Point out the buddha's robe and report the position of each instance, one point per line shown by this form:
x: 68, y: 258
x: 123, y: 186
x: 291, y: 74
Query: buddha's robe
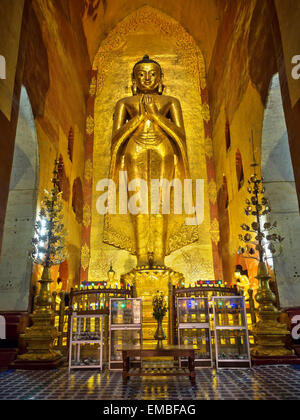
x: 146, y: 151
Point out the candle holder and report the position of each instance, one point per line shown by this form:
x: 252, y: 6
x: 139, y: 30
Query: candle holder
x: 48, y: 250
x: 260, y: 242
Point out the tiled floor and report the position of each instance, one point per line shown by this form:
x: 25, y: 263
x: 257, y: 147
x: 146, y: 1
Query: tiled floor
x: 259, y: 383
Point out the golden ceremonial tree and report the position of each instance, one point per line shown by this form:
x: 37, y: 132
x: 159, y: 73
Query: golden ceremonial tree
x: 260, y: 242
x: 48, y: 250
x: 49, y: 240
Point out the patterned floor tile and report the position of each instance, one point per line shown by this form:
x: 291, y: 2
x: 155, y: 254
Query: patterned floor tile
x: 259, y: 383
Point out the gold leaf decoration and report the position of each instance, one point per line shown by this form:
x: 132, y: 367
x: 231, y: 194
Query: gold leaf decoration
x: 184, y: 236
x: 87, y: 216
x: 117, y: 239
x: 212, y: 192
x: 168, y: 27
x: 88, y: 170
x: 215, y: 231
x: 209, y: 151
x: 203, y: 83
x: 85, y: 257
x: 93, y: 87
x: 90, y: 125
x: 206, y: 112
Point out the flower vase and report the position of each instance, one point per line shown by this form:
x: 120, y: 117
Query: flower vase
x: 159, y: 334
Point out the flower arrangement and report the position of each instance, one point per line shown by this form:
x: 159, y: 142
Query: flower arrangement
x: 159, y: 305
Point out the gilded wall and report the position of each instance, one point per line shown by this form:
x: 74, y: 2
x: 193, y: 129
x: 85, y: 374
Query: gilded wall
x: 183, y: 67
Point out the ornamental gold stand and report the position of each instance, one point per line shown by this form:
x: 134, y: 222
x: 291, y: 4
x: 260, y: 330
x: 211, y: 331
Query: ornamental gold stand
x: 270, y: 335
x: 147, y: 280
x: 49, y: 249
x: 41, y: 335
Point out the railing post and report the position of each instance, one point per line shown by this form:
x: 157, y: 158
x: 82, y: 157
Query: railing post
x: 175, y: 337
x: 61, y: 318
x: 70, y: 312
x: 106, y: 338
x: 134, y: 290
x: 171, y: 318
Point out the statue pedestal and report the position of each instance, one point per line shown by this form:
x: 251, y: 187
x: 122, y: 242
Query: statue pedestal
x: 40, y: 352
x: 147, y: 281
x: 269, y: 333
x: 270, y: 336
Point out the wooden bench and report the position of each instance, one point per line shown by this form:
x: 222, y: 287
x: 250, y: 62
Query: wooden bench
x: 157, y: 369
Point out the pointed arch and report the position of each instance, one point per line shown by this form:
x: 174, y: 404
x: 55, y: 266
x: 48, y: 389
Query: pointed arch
x: 277, y: 170
x: 16, y: 266
x: 177, y: 52
x: 166, y: 26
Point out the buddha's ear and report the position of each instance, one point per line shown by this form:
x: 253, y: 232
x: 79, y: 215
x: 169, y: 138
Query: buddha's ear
x: 134, y: 87
x: 161, y: 86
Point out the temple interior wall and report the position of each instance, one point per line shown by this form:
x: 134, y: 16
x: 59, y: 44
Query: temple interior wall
x: 15, y: 264
x: 278, y: 174
x: 53, y: 66
x: 248, y: 118
x: 199, y: 17
x: 60, y: 109
x: 286, y: 41
x: 55, y: 49
x: 10, y: 29
x: 243, y: 42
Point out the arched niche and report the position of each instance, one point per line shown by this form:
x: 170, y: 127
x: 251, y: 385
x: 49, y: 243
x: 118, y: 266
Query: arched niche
x: 148, y: 31
x: 278, y: 173
x: 239, y: 169
x: 15, y: 264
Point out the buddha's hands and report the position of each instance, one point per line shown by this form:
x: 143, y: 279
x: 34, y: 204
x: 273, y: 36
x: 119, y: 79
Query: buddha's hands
x: 142, y: 109
x: 150, y: 105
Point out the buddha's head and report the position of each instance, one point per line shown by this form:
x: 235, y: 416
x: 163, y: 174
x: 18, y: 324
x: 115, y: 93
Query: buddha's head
x: 147, y: 77
x: 238, y: 272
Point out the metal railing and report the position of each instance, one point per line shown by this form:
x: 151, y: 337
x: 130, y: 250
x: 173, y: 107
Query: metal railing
x: 83, y: 302
x: 204, y: 290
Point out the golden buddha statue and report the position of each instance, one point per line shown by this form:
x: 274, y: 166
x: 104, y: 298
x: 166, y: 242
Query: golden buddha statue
x: 149, y: 143
x: 242, y: 281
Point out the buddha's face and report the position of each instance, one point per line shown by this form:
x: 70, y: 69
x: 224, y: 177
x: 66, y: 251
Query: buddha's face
x: 147, y: 77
